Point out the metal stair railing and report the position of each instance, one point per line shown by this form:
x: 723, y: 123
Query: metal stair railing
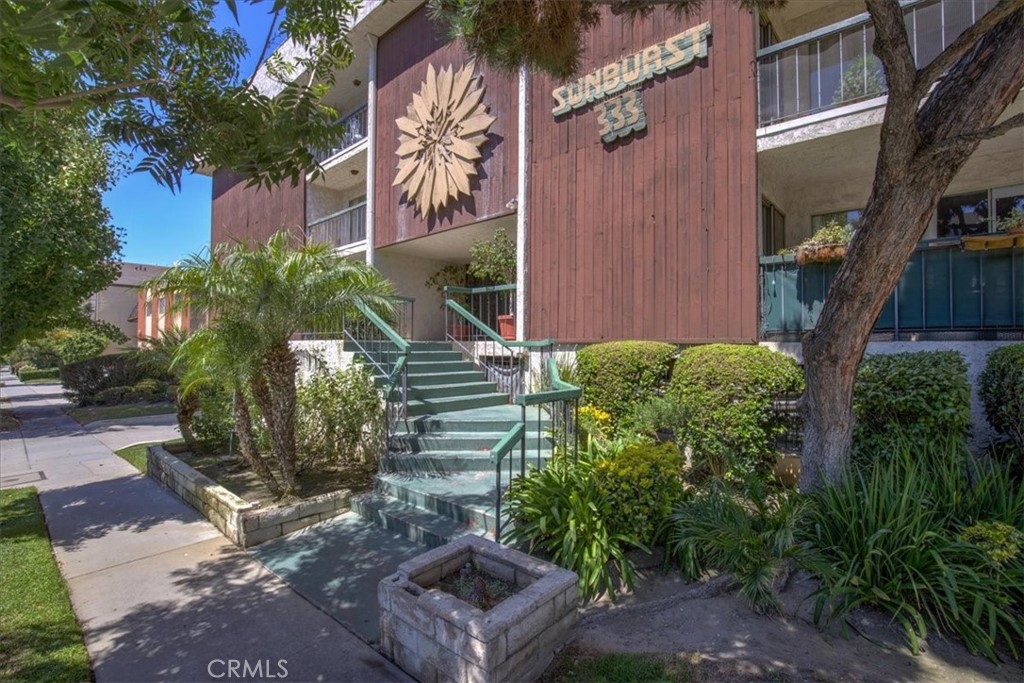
x: 561, y: 401
x: 383, y: 348
x: 502, y: 361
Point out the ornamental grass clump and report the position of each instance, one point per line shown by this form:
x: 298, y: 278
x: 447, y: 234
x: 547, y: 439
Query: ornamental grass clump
x: 907, y: 535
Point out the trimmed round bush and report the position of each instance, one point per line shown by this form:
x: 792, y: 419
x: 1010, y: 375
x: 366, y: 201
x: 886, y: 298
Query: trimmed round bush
x: 911, y: 399
x: 84, y: 379
x: 618, y: 376
x: 112, y: 396
x: 726, y: 392
x: 642, y: 484
x: 1001, y: 388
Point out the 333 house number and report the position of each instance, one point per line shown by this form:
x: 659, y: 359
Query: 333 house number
x: 621, y: 116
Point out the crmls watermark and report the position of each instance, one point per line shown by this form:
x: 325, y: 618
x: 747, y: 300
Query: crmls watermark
x: 243, y: 668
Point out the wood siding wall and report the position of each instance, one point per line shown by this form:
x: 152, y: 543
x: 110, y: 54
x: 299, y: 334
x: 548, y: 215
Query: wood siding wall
x: 403, y: 56
x: 251, y: 215
x: 653, y: 236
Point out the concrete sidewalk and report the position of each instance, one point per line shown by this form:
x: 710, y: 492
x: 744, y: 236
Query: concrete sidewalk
x: 160, y: 594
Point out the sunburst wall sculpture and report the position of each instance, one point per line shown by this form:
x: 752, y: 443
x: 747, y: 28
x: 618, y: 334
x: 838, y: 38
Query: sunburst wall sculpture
x: 440, y: 138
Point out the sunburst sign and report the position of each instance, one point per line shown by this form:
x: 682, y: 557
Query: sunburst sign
x: 440, y: 138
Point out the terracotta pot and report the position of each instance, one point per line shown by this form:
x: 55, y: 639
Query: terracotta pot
x: 1015, y: 230
x: 459, y: 330
x: 507, y: 327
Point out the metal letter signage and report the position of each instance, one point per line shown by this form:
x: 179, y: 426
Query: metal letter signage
x: 621, y: 116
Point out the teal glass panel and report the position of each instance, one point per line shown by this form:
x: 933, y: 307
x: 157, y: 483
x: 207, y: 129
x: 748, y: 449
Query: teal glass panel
x: 997, y: 302
x: 911, y: 290
x: 966, y: 288
x: 937, y: 313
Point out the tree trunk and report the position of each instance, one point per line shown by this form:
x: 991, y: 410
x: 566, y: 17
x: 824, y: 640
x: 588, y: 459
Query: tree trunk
x: 186, y: 407
x: 910, y: 177
x: 274, y: 391
x: 247, y: 445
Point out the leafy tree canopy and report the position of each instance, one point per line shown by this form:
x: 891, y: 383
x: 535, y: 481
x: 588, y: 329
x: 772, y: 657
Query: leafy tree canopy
x: 543, y: 35
x: 57, y: 245
x: 155, y: 75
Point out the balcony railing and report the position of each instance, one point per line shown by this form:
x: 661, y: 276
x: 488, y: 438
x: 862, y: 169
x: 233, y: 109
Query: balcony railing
x: 339, y: 229
x: 836, y: 65
x: 942, y: 289
x: 355, y: 132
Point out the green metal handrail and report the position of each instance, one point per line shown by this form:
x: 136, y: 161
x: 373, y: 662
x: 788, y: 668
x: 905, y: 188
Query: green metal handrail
x: 562, y: 391
x: 384, y: 327
x: 491, y: 334
x: 515, y: 435
x: 480, y: 290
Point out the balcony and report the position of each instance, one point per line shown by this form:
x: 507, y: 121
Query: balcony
x: 355, y: 132
x: 943, y: 289
x: 339, y: 229
x: 835, y: 66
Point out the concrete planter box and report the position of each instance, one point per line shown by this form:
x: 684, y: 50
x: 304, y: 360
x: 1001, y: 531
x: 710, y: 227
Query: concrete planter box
x: 242, y: 522
x: 437, y: 638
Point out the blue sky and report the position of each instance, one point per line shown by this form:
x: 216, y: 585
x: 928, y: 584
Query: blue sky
x: 160, y: 226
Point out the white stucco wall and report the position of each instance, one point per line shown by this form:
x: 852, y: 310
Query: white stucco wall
x: 409, y: 274
x: 311, y: 352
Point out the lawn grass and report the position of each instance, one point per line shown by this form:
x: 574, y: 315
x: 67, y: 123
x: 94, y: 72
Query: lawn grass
x: 136, y: 455
x: 86, y: 414
x: 40, y: 640
x: 41, y: 381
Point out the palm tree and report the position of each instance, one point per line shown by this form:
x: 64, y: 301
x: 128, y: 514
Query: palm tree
x: 259, y: 298
x: 162, y: 356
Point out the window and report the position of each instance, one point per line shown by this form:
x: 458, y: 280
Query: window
x: 149, y: 308
x: 356, y: 201
x: 162, y: 305
x: 851, y: 217
x: 1006, y: 199
x: 773, y: 229
x: 963, y: 214
x: 768, y: 37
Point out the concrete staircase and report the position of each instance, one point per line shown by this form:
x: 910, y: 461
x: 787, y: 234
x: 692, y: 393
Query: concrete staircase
x: 437, y: 483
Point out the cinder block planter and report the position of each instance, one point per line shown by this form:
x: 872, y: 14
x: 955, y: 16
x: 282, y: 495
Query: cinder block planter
x: 242, y: 522
x: 438, y: 638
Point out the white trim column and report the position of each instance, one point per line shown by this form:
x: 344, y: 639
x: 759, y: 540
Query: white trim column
x: 522, y: 201
x: 371, y: 146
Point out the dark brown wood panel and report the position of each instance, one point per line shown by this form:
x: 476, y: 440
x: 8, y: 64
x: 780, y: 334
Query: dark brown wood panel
x: 251, y: 215
x: 403, y: 56
x: 653, y: 236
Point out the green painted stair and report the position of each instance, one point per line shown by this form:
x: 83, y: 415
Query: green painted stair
x: 437, y: 483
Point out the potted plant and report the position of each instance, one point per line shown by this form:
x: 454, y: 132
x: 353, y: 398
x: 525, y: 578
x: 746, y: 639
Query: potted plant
x: 828, y: 244
x: 1013, y: 222
x: 493, y: 262
x: 456, y: 275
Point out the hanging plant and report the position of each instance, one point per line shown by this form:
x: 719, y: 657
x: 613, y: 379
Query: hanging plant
x: 828, y: 244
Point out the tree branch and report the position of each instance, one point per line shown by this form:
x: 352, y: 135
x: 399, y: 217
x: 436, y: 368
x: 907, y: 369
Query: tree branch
x: 995, y: 131
x: 964, y: 43
x: 60, y: 101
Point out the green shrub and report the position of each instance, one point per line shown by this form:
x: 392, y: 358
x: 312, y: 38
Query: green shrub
x: 29, y: 373
x: 642, y: 484
x: 25, y: 366
x: 749, y: 531
x: 38, y: 352
x: 84, y: 379
x: 73, y: 345
x: 213, y: 422
x: 657, y: 417
x: 112, y: 396
x: 1001, y: 388
x: 617, y: 376
x: 149, y: 389
x: 892, y: 536
x: 922, y: 397
x: 727, y: 392
x: 561, y: 511
x: 999, y: 541
x: 339, y: 418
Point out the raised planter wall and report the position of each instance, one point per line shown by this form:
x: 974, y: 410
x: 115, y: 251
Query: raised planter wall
x: 242, y: 522
x: 438, y: 638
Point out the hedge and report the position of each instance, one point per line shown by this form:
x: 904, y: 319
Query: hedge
x: 619, y: 376
x: 915, y: 398
x: 1001, y: 389
x: 84, y: 380
x: 727, y: 393
x: 28, y: 374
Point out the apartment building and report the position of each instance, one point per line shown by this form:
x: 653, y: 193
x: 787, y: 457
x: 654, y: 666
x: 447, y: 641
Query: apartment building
x: 648, y: 198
